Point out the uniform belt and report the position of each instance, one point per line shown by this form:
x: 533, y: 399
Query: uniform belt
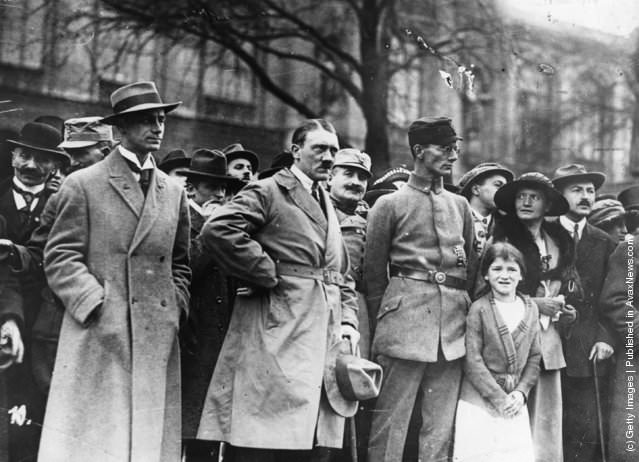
x: 436, y: 277
x: 310, y: 272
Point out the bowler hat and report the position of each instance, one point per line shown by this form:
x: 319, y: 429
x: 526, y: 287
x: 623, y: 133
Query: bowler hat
x: 481, y: 171
x: 207, y: 164
x: 283, y: 160
x: 41, y: 137
x: 629, y: 197
x: 605, y: 210
x: 354, y: 158
x: 576, y: 173
x: 83, y: 132
x: 505, y: 196
x: 349, y: 379
x: 174, y: 159
x: 135, y: 97
x: 237, y: 151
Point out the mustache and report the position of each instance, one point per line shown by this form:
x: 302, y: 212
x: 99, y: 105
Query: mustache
x: 355, y: 188
x: 585, y: 202
x: 327, y: 164
x: 30, y: 171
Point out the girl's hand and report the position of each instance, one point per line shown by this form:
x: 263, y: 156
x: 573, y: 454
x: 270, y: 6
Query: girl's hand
x: 513, y: 404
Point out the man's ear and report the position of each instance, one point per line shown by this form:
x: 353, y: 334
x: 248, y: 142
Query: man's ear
x: 474, y: 190
x: 418, y: 151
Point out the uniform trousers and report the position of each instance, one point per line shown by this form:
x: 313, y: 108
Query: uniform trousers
x: 438, y: 383
x: 545, y: 409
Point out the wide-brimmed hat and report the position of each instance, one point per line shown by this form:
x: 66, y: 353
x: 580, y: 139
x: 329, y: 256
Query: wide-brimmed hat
x: 349, y: 379
x: 606, y: 210
x: 237, y: 151
x: 577, y: 173
x: 629, y: 198
x: 505, y: 196
x: 354, y: 158
x: 41, y: 137
x: 481, y: 171
x: 210, y: 164
x: 136, y: 97
x: 174, y: 159
x: 83, y: 132
x: 283, y: 160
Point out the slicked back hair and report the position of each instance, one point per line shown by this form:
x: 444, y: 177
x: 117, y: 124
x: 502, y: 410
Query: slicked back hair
x: 299, y: 135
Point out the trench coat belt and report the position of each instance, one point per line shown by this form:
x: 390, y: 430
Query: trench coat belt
x: 433, y: 276
x: 310, y: 272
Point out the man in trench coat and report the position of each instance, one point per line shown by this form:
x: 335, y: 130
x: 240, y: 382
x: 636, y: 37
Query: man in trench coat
x: 266, y: 396
x: 117, y: 257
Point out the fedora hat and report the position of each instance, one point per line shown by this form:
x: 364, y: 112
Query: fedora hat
x: 349, y: 379
x: 135, y: 97
x: 41, y: 137
x: 237, y: 151
x: 207, y: 164
x: 283, y: 160
x: 629, y: 198
x: 83, y: 132
x: 481, y: 171
x: 576, y: 173
x: 505, y: 196
x: 606, y: 210
x: 174, y: 159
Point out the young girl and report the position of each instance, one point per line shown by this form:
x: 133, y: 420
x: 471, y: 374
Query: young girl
x: 501, y: 365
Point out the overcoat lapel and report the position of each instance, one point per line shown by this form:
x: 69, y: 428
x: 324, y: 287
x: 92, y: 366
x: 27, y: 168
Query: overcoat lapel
x: 123, y: 181
x: 585, y: 247
x: 157, y: 189
x: 300, y: 197
x: 333, y: 253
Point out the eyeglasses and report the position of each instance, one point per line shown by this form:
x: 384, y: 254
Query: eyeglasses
x: 448, y: 150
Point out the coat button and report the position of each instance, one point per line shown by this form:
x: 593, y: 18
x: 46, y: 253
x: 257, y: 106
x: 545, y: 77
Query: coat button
x: 134, y: 300
x: 161, y: 258
x: 218, y: 299
x: 163, y: 303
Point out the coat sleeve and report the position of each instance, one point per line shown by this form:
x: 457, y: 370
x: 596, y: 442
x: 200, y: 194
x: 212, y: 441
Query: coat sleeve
x: 614, y: 295
x: 471, y: 255
x: 605, y: 332
x: 65, y: 254
x: 530, y: 373
x: 379, y: 232
x: 474, y: 365
x: 10, y: 297
x: 180, y: 268
x: 227, y: 236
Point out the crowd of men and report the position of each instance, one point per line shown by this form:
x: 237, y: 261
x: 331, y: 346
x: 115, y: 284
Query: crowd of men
x: 204, y: 309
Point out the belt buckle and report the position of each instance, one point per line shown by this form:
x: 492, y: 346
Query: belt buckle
x: 440, y: 277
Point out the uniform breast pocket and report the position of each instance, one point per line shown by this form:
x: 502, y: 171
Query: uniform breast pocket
x: 389, y: 307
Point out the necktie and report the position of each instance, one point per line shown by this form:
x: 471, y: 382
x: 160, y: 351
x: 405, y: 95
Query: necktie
x: 28, y: 197
x: 145, y: 175
x: 575, y: 237
x: 318, y: 196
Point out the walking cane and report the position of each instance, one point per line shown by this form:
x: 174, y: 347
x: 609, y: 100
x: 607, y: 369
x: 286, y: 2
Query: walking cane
x: 598, y: 402
x: 353, y: 431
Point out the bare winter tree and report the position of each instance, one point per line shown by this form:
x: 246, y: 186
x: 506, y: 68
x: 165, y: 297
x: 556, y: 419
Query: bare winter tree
x: 355, y: 46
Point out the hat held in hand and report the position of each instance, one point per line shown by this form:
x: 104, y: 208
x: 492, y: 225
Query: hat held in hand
x: 349, y: 379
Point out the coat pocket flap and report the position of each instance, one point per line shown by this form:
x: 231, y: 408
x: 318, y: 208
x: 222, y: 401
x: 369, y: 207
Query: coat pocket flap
x: 389, y: 306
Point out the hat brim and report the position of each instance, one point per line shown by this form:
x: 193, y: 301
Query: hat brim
x: 172, y: 164
x: 357, y: 166
x: 231, y: 181
x: 113, y: 118
x: 58, y: 153
x: 250, y: 155
x: 341, y: 405
x: 505, y: 197
x: 596, y: 178
x: 465, y: 191
x: 77, y: 144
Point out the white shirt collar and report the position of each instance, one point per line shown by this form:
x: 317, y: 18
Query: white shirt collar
x: 304, y: 179
x: 480, y: 218
x: 569, y: 225
x: 131, y: 157
x: 18, y: 199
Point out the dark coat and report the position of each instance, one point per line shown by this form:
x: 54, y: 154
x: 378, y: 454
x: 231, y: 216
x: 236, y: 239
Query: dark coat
x: 202, y: 335
x: 119, y: 263
x: 593, y: 251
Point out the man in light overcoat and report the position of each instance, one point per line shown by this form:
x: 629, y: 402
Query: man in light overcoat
x: 117, y: 258
x: 281, y: 237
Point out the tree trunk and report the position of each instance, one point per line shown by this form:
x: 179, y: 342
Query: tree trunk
x: 375, y: 82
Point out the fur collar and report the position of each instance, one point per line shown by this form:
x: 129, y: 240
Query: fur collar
x: 512, y: 230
